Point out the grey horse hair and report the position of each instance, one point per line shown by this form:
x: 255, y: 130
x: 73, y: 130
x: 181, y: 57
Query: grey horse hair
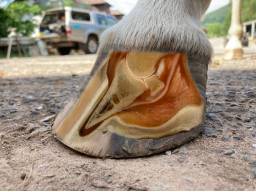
x: 161, y: 25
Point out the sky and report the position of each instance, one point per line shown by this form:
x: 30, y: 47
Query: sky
x: 126, y: 6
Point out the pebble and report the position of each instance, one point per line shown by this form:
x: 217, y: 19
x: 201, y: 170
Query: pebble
x: 29, y: 99
x: 13, y: 111
x: 44, y: 124
x: 238, y: 138
x: 231, y: 94
x: 225, y: 138
x: 238, y: 117
x: 213, y: 117
x: 23, y: 176
x: 54, y: 111
x: 218, y: 104
x: 237, y: 109
x: 43, y: 166
x: 250, y: 94
x: 175, y: 151
x: 208, y: 132
x: 40, y: 108
x: 11, y: 102
x: 254, y: 173
x: 229, y: 153
x: 226, y: 116
x: 254, y: 134
x: 168, y: 153
x: 189, y: 180
x: 240, y: 124
x: 182, y: 159
x: 247, y: 120
x: 1, y: 115
x: 34, y: 113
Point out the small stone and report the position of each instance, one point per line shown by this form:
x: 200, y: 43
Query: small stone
x: 226, y: 116
x: 213, y: 117
x: 229, y: 153
x: 247, y: 120
x: 39, y: 108
x: 237, y: 109
x: 233, y: 105
x: 34, y: 113
x: 208, y: 132
x: 43, y: 166
x: 183, y: 150
x: 250, y: 94
x: 54, y: 111
x: 13, y: 111
x: 175, y: 151
x: 240, y: 124
x: 182, y: 159
x: 45, y: 124
x: 231, y: 94
x: 238, y: 138
x: 238, y: 117
x: 1, y: 115
x: 23, y: 176
x: 218, y: 104
x: 168, y: 153
x: 254, y: 174
x: 29, y: 99
x: 254, y: 134
x: 189, y: 180
x: 225, y: 138
x: 11, y: 102
x: 251, y: 117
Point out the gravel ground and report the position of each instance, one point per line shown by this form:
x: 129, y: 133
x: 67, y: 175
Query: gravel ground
x: 33, y: 91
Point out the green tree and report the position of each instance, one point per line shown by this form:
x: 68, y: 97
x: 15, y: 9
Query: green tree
x: 19, y: 15
x: 3, y: 25
x: 248, y: 10
x: 214, y: 30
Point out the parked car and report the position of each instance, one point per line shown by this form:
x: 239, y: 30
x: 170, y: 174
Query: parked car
x: 244, y: 40
x: 67, y: 28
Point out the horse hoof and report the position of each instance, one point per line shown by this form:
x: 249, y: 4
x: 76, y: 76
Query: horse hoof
x: 136, y: 104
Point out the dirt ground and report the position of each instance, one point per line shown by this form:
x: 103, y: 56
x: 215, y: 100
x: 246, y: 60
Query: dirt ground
x: 221, y: 158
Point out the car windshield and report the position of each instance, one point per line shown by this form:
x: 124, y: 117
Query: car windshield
x: 111, y: 21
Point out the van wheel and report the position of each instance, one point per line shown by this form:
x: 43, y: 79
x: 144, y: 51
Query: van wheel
x: 91, y: 46
x: 64, y: 50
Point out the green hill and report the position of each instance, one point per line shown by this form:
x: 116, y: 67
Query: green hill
x: 216, y: 16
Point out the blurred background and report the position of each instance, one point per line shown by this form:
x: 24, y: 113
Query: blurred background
x: 73, y: 27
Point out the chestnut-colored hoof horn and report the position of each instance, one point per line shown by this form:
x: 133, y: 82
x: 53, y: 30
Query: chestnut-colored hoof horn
x: 136, y: 104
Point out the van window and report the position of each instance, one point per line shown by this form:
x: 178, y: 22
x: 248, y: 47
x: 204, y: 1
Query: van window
x: 81, y: 16
x: 101, y: 20
x: 53, y: 17
x: 111, y: 21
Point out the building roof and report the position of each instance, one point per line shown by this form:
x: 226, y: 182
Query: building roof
x: 116, y: 12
